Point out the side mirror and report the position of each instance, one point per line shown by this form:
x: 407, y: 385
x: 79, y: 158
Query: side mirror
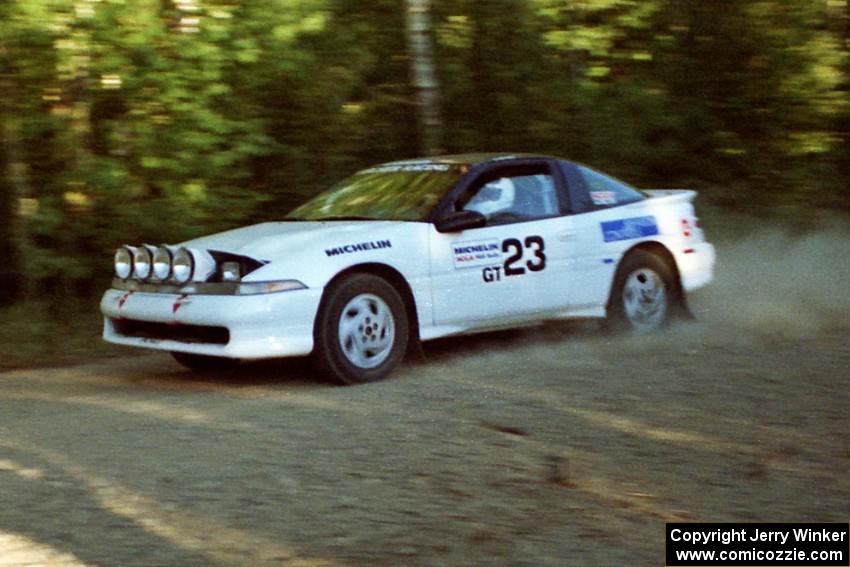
x: 460, y: 220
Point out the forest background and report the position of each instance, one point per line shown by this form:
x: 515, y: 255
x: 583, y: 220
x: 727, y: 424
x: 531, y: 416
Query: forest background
x: 160, y: 120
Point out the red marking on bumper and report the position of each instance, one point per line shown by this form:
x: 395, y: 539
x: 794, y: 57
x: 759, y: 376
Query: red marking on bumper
x: 179, y: 303
x: 123, y: 299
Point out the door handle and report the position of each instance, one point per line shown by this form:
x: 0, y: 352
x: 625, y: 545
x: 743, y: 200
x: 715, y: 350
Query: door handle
x: 567, y: 234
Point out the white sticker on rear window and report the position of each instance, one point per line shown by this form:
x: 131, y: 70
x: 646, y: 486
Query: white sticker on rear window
x: 603, y: 197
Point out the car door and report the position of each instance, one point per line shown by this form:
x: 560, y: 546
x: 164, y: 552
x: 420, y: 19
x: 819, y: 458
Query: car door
x: 513, y: 267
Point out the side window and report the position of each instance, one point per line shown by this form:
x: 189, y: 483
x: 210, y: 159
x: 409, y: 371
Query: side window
x: 512, y: 198
x: 604, y: 191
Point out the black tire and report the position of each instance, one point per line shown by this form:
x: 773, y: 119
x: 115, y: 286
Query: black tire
x: 361, y: 330
x: 202, y: 364
x: 645, y: 295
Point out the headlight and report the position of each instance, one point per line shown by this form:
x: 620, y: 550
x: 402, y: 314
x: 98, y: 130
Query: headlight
x: 162, y: 263
x: 183, y: 266
x: 230, y: 272
x: 142, y: 260
x: 124, y: 262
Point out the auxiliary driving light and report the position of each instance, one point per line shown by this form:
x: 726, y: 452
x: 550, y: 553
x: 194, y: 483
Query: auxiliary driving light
x: 142, y: 262
x: 162, y: 263
x: 183, y: 266
x: 124, y: 262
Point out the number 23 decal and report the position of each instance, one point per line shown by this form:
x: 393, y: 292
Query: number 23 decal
x: 534, y: 244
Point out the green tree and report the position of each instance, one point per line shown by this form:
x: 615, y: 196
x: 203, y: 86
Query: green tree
x: 166, y: 119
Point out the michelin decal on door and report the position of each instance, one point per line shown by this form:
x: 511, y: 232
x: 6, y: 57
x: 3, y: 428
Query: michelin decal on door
x: 476, y: 253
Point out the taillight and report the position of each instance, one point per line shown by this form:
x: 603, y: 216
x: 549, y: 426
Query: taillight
x: 687, y: 231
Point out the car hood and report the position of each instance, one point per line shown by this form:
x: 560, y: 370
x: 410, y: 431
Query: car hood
x: 267, y: 241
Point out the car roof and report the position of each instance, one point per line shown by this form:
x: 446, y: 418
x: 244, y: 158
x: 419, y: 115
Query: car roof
x: 468, y: 159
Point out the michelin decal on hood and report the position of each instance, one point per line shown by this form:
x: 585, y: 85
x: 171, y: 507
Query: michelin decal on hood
x: 360, y: 247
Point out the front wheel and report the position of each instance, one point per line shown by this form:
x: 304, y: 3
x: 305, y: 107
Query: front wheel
x: 361, y: 331
x: 643, y: 294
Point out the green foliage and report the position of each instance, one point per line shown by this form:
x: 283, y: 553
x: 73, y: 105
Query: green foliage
x: 51, y: 333
x: 8, y: 249
x: 160, y: 120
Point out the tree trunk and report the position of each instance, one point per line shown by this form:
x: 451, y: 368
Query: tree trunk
x: 424, y: 76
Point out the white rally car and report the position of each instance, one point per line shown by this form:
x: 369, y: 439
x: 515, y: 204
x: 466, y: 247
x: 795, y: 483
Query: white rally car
x: 411, y: 251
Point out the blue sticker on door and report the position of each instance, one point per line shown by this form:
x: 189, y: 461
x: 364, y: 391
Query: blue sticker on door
x: 627, y: 229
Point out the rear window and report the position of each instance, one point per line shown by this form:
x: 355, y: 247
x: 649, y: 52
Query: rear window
x: 605, y: 191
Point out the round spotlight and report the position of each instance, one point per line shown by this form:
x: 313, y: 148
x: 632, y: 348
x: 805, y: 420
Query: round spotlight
x: 142, y: 262
x: 124, y: 262
x: 183, y: 266
x: 162, y: 263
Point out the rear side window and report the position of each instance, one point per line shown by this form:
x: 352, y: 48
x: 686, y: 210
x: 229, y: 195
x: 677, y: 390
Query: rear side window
x: 604, y: 191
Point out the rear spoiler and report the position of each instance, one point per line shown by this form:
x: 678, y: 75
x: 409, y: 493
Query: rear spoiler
x: 673, y: 195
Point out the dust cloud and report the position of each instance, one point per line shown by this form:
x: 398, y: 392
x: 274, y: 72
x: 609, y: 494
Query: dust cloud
x: 771, y: 284
x: 776, y: 283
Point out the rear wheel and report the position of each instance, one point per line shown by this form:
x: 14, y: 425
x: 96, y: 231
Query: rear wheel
x: 361, y: 331
x: 643, y: 296
x: 202, y: 364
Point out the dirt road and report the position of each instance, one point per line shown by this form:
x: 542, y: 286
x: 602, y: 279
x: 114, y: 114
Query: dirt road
x: 554, y: 446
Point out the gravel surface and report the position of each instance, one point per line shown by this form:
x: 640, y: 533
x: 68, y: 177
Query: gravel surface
x: 551, y: 446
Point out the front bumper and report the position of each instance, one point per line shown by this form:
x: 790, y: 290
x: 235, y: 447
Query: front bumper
x: 247, y: 326
x: 696, y: 265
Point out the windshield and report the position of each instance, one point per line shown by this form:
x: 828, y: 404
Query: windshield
x: 388, y: 192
